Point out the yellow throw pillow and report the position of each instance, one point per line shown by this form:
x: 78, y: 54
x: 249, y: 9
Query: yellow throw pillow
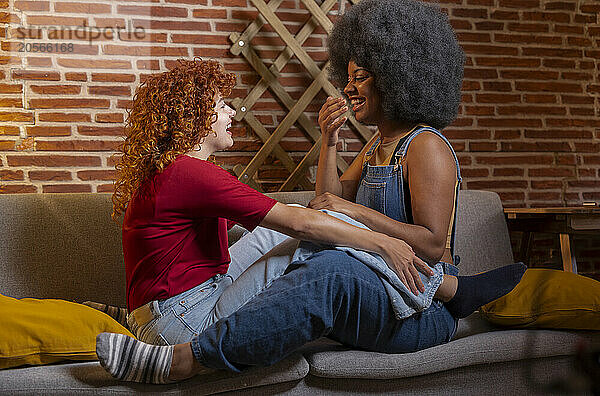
x: 47, y: 331
x: 548, y: 299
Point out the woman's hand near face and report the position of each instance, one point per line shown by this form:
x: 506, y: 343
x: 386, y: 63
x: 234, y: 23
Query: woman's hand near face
x: 331, y: 119
x: 333, y: 202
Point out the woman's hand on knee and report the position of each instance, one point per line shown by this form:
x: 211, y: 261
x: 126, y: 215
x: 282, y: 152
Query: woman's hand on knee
x: 401, y: 258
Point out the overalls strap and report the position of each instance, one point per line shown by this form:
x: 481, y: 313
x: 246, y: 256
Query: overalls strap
x: 371, y: 151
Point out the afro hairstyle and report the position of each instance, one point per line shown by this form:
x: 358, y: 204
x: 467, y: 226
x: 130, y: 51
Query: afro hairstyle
x: 412, y: 52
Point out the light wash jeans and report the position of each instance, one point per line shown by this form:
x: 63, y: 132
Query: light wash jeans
x: 257, y: 259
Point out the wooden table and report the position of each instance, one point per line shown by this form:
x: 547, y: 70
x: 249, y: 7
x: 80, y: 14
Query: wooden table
x: 564, y: 221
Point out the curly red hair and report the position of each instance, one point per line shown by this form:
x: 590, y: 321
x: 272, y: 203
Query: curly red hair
x: 171, y: 114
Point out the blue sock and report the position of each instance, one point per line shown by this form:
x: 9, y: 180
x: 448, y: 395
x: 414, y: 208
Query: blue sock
x: 477, y: 290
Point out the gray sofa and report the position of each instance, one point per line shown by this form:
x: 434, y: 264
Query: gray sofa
x: 66, y: 246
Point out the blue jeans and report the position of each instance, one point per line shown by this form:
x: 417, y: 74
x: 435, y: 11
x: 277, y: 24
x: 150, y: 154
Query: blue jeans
x: 257, y: 259
x: 330, y: 294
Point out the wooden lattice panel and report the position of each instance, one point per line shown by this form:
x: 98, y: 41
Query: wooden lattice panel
x: 296, y: 108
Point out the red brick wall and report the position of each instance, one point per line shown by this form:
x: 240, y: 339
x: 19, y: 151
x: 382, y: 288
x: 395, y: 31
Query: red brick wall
x: 528, y: 128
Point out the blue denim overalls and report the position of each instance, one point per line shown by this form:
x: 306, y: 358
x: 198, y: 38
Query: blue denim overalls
x: 382, y: 187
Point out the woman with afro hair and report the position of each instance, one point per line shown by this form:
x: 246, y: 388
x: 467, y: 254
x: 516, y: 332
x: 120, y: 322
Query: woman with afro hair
x: 401, y: 70
x: 330, y: 292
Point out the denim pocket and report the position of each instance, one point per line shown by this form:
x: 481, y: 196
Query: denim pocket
x: 372, y: 195
x: 180, y: 316
x: 173, y: 330
x: 154, y: 332
x: 194, y: 311
x: 197, y: 296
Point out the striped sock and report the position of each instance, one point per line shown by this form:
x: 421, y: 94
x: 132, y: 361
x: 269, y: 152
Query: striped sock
x: 128, y: 359
x: 117, y: 313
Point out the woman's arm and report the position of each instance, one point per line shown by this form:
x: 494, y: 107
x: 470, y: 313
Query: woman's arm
x: 431, y: 174
x: 327, y: 177
x: 312, y: 225
x: 331, y: 120
x: 349, y: 180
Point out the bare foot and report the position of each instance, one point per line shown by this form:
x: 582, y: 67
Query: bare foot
x: 447, y: 289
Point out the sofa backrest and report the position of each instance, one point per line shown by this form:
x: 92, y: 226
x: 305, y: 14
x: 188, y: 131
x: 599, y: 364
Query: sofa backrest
x: 67, y: 246
x: 299, y: 197
x: 482, y: 240
x: 61, y: 246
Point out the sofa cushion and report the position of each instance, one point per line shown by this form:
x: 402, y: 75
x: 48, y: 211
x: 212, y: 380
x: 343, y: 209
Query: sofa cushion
x: 489, y: 347
x: 547, y: 298
x: 91, y: 378
x: 47, y: 331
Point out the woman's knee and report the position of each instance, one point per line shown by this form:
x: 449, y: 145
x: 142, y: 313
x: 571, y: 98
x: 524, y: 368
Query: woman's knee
x: 334, y: 266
